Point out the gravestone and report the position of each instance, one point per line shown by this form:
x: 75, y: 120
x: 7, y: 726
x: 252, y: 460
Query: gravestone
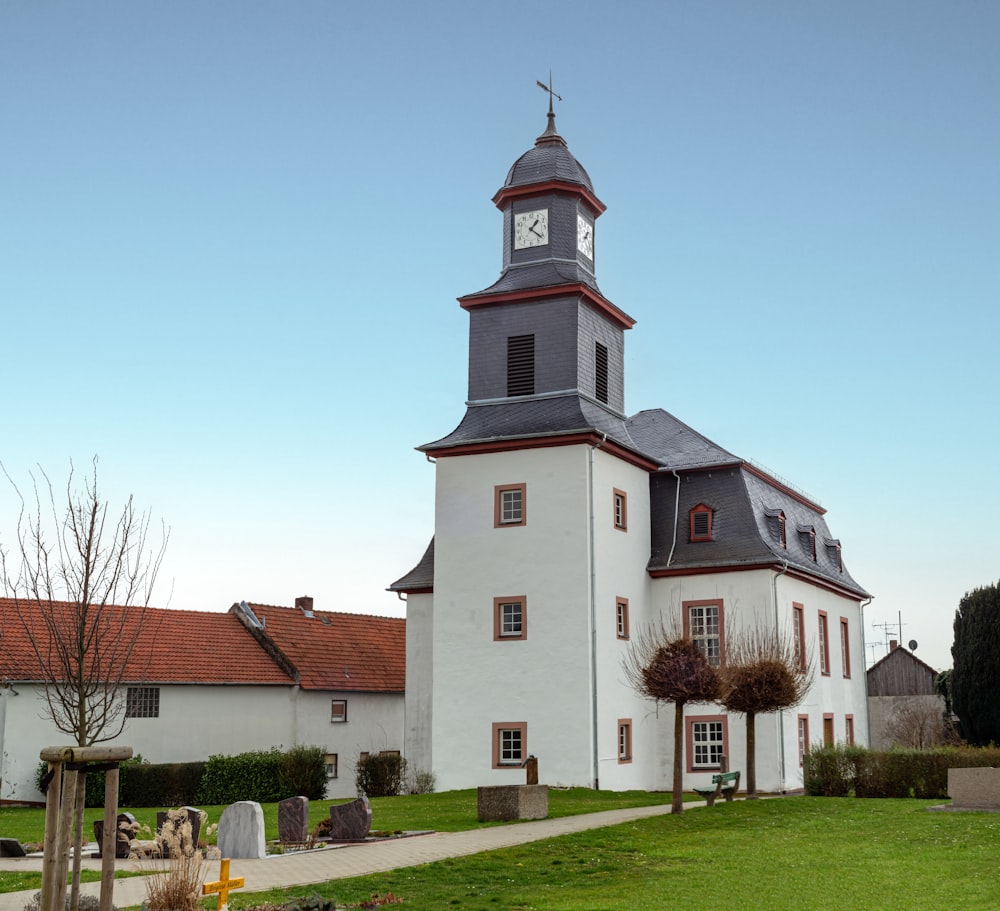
x: 11, y: 847
x: 351, y: 821
x: 122, y: 838
x: 170, y: 828
x: 241, y: 831
x: 974, y: 789
x: 293, y: 821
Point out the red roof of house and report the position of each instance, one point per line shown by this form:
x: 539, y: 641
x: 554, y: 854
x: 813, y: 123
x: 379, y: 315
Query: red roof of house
x: 335, y: 651
x: 174, y: 646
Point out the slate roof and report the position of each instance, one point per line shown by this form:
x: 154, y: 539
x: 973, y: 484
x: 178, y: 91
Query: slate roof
x: 174, y: 646
x: 535, y: 417
x: 421, y: 577
x: 549, y: 159
x: 544, y: 274
x: 335, y: 651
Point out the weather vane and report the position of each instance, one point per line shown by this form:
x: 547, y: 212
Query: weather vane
x: 548, y: 88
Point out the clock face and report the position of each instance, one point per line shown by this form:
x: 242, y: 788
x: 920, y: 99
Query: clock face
x: 531, y: 229
x: 584, y: 237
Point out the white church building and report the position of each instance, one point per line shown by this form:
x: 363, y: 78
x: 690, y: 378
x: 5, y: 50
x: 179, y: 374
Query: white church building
x: 563, y: 526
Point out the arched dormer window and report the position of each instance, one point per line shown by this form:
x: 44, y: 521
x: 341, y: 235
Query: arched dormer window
x: 700, y: 521
x: 776, y: 526
x: 833, y: 550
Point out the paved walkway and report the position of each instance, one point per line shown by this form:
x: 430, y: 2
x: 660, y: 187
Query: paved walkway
x: 321, y: 865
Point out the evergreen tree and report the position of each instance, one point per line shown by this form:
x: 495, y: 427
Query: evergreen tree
x: 975, y: 677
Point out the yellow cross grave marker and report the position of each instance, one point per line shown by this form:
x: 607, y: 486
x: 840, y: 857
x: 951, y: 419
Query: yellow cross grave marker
x: 224, y: 884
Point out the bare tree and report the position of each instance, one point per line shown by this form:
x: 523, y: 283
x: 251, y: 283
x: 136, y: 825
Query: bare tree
x: 80, y: 582
x: 667, y: 667
x: 919, y: 723
x: 763, y: 673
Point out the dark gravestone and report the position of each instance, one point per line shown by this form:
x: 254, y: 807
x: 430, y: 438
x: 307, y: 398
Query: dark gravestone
x: 11, y: 847
x: 171, y: 829
x: 293, y: 821
x: 122, y: 838
x: 351, y: 821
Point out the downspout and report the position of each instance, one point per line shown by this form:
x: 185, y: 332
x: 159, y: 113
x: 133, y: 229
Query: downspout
x: 781, y: 714
x: 594, y: 756
x: 864, y: 660
x: 677, y: 503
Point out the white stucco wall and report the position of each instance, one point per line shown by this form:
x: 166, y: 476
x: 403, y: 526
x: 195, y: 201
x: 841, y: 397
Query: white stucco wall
x: 419, y: 682
x: 198, y: 721
x: 750, y: 598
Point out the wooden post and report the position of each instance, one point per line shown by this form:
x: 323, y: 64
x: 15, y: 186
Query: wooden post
x: 60, y: 810
x: 109, y: 845
x: 50, y: 855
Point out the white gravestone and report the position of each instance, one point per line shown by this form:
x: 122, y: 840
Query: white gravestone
x: 241, y: 830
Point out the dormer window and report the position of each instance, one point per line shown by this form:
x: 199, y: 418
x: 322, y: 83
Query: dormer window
x: 700, y: 520
x: 782, y: 536
x: 807, y: 535
x: 833, y: 550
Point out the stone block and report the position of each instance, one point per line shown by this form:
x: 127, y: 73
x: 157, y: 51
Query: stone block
x: 974, y: 789
x: 351, y: 821
x: 241, y: 831
x: 293, y: 821
x: 508, y: 802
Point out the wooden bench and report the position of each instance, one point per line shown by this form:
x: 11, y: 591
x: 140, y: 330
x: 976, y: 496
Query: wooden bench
x: 726, y: 784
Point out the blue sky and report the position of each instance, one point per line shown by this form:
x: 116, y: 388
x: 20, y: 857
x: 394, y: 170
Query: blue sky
x: 232, y: 235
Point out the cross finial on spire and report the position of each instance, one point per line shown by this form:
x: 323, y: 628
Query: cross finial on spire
x: 550, y: 134
x: 548, y: 88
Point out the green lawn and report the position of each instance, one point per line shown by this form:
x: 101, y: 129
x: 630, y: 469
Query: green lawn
x: 786, y: 854
x: 768, y: 855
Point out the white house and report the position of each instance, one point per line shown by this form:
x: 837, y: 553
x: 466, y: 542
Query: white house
x: 562, y: 526
x: 201, y: 683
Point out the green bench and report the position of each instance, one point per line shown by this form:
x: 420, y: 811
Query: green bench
x: 726, y: 784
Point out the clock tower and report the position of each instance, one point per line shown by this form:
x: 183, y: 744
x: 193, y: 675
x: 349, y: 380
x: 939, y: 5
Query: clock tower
x: 546, y: 347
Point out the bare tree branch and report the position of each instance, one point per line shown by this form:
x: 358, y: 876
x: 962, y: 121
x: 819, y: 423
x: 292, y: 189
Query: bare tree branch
x: 80, y: 581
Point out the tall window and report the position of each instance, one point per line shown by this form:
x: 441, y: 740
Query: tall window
x: 799, y: 635
x: 510, y: 618
x: 142, y: 702
x: 706, y: 741
x: 521, y: 365
x: 338, y: 710
x: 510, y: 744
x: 624, y: 740
x: 845, y: 647
x: 600, y: 372
x: 621, y: 618
x: 621, y: 509
x: 824, y: 644
x: 700, y: 523
x: 782, y: 537
x: 331, y: 765
x: 828, y: 737
x: 703, y: 625
x: 849, y: 730
x: 509, y: 505
x: 803, y: 736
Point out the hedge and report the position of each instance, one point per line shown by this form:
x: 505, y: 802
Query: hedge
x: 264, y: 776
x: 839, y: 771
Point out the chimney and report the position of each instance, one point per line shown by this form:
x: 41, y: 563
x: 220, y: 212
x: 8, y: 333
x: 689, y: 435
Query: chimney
x: 305, y: 604
x: 893, y: 644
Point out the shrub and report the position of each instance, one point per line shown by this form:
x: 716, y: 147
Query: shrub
x: 380, y: 775
x: 264, y: 775
x: 837, y: 771
x: 422, y: 782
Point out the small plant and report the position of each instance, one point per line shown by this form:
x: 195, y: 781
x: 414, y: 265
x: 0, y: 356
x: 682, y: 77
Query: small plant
x: 377, y: 901
x: 312, y: 902
x: 422, y: 782
x: 86, y: 903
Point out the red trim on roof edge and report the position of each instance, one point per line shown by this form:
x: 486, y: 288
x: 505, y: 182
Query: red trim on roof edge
x: 596, y: 300
x: 542, y: 442
x: 549, y: 186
